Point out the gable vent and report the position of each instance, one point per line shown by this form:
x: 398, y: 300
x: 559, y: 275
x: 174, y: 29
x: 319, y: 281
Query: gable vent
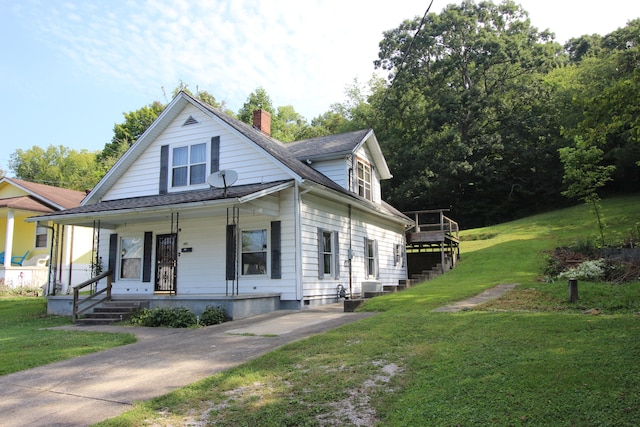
x: 190, y: 121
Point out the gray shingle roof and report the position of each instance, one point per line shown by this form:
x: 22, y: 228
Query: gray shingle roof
x: 275, y: 148
x: 171, y: 199
x: 336, y: 145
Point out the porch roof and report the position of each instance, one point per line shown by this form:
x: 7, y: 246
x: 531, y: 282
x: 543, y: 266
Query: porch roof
x: 24, y: 203
x: 145, y: 208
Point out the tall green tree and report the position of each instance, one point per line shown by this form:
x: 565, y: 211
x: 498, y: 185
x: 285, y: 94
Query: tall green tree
x: 606, y: 102
x: 56, y: 165
x: 125, y: 134
x: 584, y: 175
x: 286, y: 123
x: 465, y: 122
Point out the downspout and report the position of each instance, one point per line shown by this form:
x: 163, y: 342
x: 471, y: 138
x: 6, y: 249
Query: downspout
x: 70, y: 257
x: 61, y: 235
x: 298, y: 233
x: 53, y: 232
x: 350, y: 258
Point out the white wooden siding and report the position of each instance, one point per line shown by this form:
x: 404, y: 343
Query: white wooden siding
x: 203, y: 270
x: 319, y: 213
x: 337, y: 170
x: 246, y: 158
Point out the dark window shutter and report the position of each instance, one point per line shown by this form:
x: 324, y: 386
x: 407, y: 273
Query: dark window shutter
x: 231, y: 252
x: 375, y: 254
x: 215, y: 154
x: 336, y: 254
x: 164, y: 169
x: 366, y: 257
x: 113, y: 255
x: 320, y: 254
x: 146, y: 266
x: 276, y: 243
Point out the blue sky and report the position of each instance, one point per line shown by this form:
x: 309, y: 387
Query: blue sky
x: 70, y: 69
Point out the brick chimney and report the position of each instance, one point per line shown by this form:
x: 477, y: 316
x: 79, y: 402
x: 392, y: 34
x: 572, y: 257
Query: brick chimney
x: 262, y: 121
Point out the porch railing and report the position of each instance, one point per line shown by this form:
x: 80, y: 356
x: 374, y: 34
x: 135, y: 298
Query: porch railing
x: 81, y: 306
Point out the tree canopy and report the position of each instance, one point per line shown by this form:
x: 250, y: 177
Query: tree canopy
x: 481, y: 113
x: 58, y: 166
x: 465, y: 123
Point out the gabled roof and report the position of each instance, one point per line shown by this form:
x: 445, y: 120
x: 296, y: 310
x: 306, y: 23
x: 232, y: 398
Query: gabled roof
x: 270, y: 146
x: 25, y: 203
x: 336, y: 146
x: 299, y: 170
x: 327, y: 146
x: 47, y: 196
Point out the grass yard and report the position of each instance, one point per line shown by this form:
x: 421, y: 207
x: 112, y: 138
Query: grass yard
x: 529, y: 358
x: 25, y: 344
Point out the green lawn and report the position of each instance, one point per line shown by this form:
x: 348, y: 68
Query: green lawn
x: 530, y: 358
x: 24, y: 343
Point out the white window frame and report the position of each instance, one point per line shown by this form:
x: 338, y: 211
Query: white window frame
x: 371, y: 258
x: 258, y: 270
x: 331, y: 255
x: 189, y: 166
x: 121, y: 257
x: 364, y: 183
x: 39, y: 233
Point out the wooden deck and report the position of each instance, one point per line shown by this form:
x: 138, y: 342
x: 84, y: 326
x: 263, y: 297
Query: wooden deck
x: 432, y: 233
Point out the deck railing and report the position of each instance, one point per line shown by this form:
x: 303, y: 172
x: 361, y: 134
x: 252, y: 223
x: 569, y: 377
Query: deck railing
x: 445, y: 224
x: 81, y: 306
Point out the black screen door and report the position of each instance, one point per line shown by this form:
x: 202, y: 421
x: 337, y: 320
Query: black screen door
x: 166, y: 261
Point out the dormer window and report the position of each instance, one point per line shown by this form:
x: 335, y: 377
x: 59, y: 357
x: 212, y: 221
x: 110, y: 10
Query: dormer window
x: 189, y: 165
x: 364, y: 179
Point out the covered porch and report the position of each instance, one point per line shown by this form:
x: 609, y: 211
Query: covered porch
x: 185, y: 251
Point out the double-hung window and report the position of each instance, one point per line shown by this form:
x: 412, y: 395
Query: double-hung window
x: 371, y: 258
x: 41, y: 236
x: 363, y: 176
x: 189, y: 165
x: 254, y: 252
x: 131, y: 252
x: 328, y: 261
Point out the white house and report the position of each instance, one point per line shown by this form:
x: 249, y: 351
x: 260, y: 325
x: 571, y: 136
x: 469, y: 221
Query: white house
x: 206, y: 208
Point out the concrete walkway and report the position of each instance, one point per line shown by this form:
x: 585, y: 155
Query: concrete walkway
x: 486, y: 295
x: 88, y: 389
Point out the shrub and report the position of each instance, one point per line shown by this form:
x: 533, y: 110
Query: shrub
x: 590, y: 270
x: 213, y: 316
x: 175, y: 317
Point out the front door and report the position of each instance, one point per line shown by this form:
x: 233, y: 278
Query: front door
x: 166, y: 261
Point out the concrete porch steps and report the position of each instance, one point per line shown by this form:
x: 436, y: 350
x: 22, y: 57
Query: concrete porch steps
x: 111, y: 312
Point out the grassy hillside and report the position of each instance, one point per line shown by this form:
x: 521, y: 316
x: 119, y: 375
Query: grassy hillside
x: 529, y: 358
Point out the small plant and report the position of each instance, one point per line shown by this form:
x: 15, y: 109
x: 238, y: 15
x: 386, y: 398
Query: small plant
x: 171, y: 317
x: 590, y: 270
x: 213, y: 316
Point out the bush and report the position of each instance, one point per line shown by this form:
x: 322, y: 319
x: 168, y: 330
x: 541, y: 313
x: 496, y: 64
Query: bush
x: 590, y: 270
x: 213, y: 316
x: 175, y: 317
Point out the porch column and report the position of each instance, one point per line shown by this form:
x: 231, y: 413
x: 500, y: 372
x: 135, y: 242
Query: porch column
x: 8, y: 242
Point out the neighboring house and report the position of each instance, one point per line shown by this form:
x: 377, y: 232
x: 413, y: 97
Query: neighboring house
x: 27, y: 247
x: 205, y: 208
